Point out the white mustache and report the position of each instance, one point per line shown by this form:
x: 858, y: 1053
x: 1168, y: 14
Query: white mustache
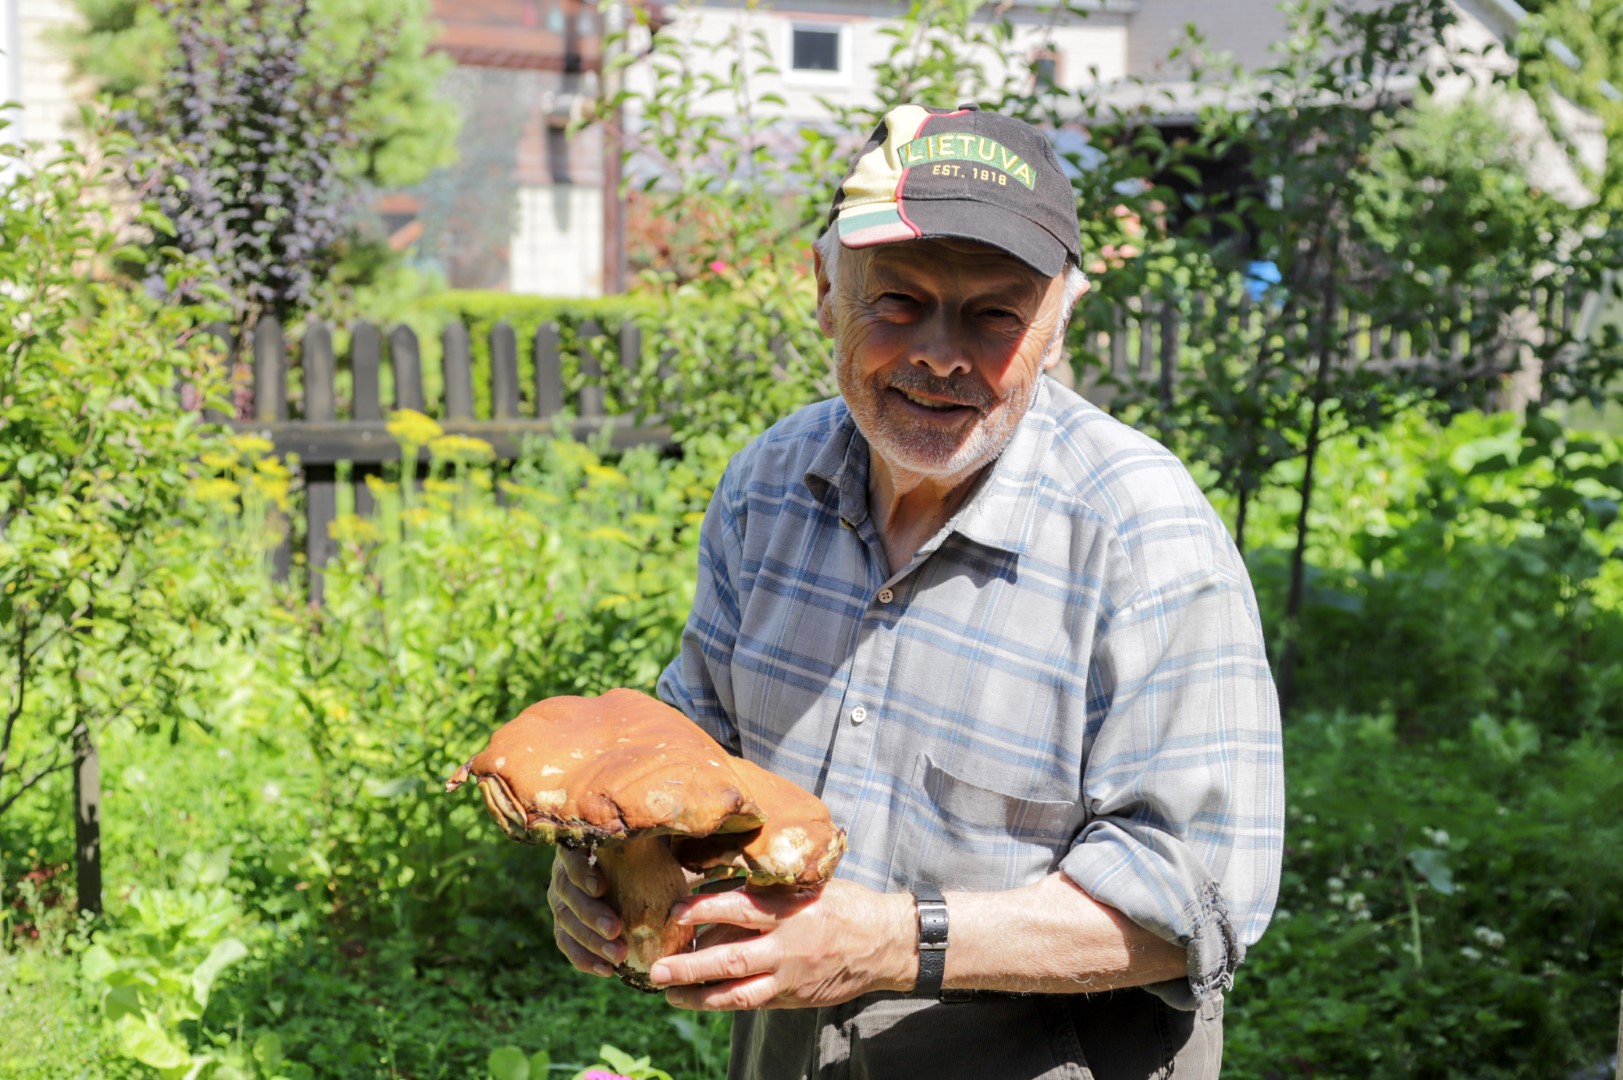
x: 955, y: 391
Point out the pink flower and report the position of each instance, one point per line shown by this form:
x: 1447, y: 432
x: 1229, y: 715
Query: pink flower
x: 604, y: 1074
x: 716, y: 267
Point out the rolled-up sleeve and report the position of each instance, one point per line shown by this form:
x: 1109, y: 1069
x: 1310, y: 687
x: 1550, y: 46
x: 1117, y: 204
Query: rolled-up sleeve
x: 1184, y: 783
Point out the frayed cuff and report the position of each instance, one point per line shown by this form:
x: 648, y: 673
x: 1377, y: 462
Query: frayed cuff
x: 1214, y: 949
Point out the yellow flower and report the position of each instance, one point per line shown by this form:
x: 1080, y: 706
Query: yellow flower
x: 218, y: 462
x: 646, y: 522
x: 693, y: 517
x: 417, y: 516
x: 353, y: 529
x: 518, y: 491
x: 411, y: 428
x: 609, y: 533
x: 607, y: 474
x: 252, y: 445
x: 272, y: 488
x: 441, y: 487
x: 378, y: 486
x: 461, y: 448
x: 272, y: 467
x: 216, y: 490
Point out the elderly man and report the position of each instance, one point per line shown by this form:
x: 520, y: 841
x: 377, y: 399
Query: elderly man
x: 1006, y: 640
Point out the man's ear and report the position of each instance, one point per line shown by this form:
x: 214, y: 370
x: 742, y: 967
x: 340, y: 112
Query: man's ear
x: 825, y: 289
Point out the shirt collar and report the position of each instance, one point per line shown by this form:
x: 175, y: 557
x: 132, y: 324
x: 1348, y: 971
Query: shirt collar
x: 1001, y: 513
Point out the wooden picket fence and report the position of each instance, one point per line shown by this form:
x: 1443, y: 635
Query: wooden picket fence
x: 327, y: 433
x: 1139, y: 344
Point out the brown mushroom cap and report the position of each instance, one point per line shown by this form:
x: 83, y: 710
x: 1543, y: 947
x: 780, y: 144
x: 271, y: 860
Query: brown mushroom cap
x: 636, y: 780
x: 798, y: 845
x: 583, y: 770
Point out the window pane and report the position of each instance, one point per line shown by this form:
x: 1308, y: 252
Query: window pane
x: 816, y: 50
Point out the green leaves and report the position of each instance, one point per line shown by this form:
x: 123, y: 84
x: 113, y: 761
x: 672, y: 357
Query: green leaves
x: 511, y: 1063
x: 96, y: 459
x: 1432, y: 866
x: 157, y: 973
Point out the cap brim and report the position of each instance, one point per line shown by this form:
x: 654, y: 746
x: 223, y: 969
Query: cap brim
x: 955, y: 219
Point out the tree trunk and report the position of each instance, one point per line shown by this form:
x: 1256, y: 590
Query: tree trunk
x: 87, y: 820
x: 1244, y: 500
x: 1298, y: 578
x: 1321, y: 382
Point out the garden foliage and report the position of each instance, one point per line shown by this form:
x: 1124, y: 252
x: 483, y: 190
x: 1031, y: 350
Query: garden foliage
x: 1452, y: 590
x: 101, y: 619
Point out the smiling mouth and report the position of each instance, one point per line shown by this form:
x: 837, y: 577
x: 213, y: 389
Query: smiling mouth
x: 931, y: 404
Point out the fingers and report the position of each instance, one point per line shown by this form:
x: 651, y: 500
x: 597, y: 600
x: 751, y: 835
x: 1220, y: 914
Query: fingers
x: 728, y: 973
x: 750, y: 909
x: 577, y: 865
x: 755, y: 992
x: 784, y: 948
x: 586, y: 929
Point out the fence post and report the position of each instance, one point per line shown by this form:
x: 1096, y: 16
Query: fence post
x: 270, y: 407
x: 321, y: 481
x: 408, y: 369
x: 227, y: 338
x: 270, y: 372
x: 1146, y: 341
x: 631, y: 348
x: 1169, y: 347
x: 591, y: 394
x: 549, y: 373
x: 365, y: 367
x: 457, y: 367
x: 503, y: 372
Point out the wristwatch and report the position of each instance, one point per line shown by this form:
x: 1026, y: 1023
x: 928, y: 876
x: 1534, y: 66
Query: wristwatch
x: 932, y: 940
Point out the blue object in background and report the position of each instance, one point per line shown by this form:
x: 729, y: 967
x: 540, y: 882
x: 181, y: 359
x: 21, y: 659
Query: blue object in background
x: 1259, y: 275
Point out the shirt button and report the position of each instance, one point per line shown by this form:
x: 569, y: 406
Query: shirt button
x: 859, y: 714
x: 886, y: 596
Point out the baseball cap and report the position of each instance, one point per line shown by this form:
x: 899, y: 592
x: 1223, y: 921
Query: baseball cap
x: 963, y: 174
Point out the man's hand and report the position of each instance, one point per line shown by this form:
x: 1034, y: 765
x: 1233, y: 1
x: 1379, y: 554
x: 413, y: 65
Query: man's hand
x: 787, y: 948
x: 587, y: 929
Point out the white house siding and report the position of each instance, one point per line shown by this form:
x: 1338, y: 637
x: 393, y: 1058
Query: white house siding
x: 557, y: 247
x: 36, y: 72
x: 1478, y: 41
x: 1245, y: 30
x: 1089, y: 49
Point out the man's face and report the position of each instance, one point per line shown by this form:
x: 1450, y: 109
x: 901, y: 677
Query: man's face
x: 938, y: 346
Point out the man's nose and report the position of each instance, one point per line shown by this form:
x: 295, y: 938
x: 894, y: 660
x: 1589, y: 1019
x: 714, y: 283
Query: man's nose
x: 940, y: 346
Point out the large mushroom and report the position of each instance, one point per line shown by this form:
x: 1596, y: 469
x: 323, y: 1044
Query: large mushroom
x: 652, y: 797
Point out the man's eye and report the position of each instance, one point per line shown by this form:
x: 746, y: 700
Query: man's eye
x: 1000, y: 313
x: 896, y: 298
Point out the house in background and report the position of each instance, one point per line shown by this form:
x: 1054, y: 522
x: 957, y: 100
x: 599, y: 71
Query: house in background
x: 525, y: 208
x: 33, y: 71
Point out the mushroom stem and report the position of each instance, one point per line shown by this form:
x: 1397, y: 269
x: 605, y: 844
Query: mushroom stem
x: 642, y: 881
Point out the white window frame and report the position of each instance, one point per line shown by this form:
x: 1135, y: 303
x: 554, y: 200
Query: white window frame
x: 842, y: 50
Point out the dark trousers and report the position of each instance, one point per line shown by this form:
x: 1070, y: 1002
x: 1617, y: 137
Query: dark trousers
x: 1121, y: 1035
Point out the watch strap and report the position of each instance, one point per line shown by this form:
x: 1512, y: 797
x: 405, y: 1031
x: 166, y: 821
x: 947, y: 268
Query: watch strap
x: 932, y: 908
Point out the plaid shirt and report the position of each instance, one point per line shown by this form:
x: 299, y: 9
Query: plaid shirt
x: 1069, y: 676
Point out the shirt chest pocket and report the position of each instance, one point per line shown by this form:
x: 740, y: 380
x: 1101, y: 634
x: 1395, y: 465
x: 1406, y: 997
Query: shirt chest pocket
x: 957, y: 834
